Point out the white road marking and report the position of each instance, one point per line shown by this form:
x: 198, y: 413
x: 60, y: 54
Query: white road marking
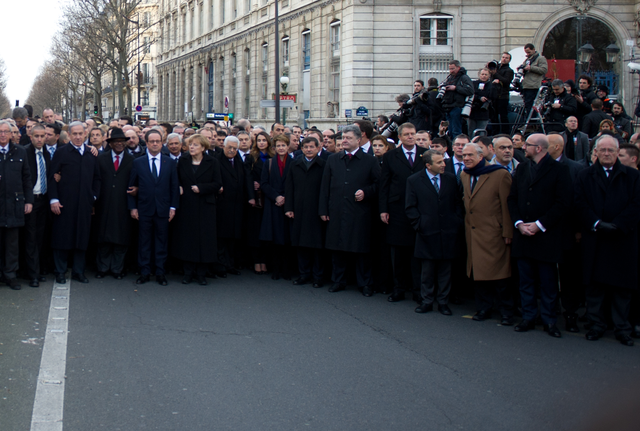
x: 49, y: 402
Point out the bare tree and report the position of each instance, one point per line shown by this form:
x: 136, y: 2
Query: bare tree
x: 5, y: 104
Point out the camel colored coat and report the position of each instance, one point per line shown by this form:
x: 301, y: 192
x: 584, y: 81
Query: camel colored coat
x: 487, y: 223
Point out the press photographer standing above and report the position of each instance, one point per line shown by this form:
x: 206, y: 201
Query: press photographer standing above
x: 534, y: 67
x: 485, y: 93
x: 502, y: 76
x: 457, y: 86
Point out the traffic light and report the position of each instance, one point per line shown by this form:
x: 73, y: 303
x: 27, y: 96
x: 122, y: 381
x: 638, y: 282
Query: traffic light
x: 95, y: 109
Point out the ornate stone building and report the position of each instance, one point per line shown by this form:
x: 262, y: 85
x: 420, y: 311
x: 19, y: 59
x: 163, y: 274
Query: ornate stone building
x: 217, y: 55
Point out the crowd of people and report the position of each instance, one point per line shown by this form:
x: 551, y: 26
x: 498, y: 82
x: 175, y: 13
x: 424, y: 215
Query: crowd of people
x: 537, y: 225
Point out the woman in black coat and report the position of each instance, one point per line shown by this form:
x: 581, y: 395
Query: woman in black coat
x: 484, y: 93
x: 261, y: 152
x: 195, y: 241
x: 276, y: 229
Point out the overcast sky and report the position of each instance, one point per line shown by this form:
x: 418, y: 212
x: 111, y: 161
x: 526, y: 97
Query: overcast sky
x: 27, y: 29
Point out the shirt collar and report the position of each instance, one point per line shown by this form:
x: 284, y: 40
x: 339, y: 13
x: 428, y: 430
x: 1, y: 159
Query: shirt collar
x: 431, y: 176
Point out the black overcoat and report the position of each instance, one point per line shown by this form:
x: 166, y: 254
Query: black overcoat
x: 349, y: 227
x: 16, y: 189
x: 609, y: 258
x: 437, y: 218
x: 544, y: 197
x: 275, y: 226
x: 237, y: 190
x: 302, y: 192
x: 254, y: 218
x: 112, y: 211
x: 194, y: 240
x: 394, y: 172
x: 77, y: 190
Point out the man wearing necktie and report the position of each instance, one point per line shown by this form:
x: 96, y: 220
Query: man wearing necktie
x: 72, y: 200
x: 608, y: 202
x: 503, y: 149
x: 434, y: 207
x: 16, y: 200
x: 397, y: 166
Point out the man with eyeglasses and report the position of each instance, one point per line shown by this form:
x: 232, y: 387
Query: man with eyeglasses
x: 133, y: 144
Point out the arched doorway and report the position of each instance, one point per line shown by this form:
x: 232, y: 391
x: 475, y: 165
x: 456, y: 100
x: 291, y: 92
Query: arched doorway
x: 563, y: 43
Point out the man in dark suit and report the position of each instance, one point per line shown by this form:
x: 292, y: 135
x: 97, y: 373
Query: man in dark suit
x: 454, y: 165
x: 35, y: 222
x: 366, y: 127
x: 112, y: 212
x: 434, y: 207
x: 580, y: 140
x: 397, y: 166
x: 538, y: 202
x: 72, y: 199
x: 52, y: 137
x: 16, y: 200
x: 349, y: 186
x: 302, y: 188
x: 608, y: 201
x: 323, y: 154
x: 591, y: 121
x: 158, y: 195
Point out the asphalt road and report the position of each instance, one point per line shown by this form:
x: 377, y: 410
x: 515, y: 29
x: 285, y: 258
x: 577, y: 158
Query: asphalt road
x: 249, y: 353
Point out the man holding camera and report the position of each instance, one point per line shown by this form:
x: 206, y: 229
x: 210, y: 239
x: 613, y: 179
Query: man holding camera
x: 560, y: 105
x: 457, y: 87
x: 502, y: 75
x: 534, y: 68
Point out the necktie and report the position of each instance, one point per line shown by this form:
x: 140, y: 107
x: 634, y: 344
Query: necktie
x: 608, y: 171
x: 435, y: 184
x: 42, y: 173
x: 474, y: 180
x: 4, y: 153
x: 458, y: 171
x: 232, y: 164
x: 154, y: 168
x: 116, y: 163
x: 350, y: 155
x: 52, y: 150
x: 410, y: 154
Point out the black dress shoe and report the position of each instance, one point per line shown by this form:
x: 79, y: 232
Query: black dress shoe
x: 506, y: 320
x: 367, y: 291
x: 233, y: 271
x: 221, y: 274
x: 100, y: 274
x: 593, y: 335
x: 424, y: 308
x: 162, y: 280
x: 445, y: 310
x: 187, y: 279
x: 118, y: 275
x: 571, y: 324
x: 396, y: 297
x: 317, y: 284
x: 481, y: 315
x: 336, y: 288
x: 525, y: 326
x: 625, y: 340
x: 301, y: 281
x: 42, y: 278
x: 553, y: 331
x: 202, y: 280
x: 143, y: 279
x: 60, y: 279
x: 14, y: 284
x: 79, y: 277
x: 34, y: 283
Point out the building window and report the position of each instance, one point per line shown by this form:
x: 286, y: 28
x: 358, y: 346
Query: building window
x: 334, y: 36
x: 145, y: 73
x: 192, y: 23
x: 435, y: 30
x: 285, y: 51
x: 306, y: 49
x: 265, y: 57
x: 184, y: 28
x: 247, y: 93
x: 146, y: 19
x: 175, y: 32
x: 169, y: 40
x: 235, y: 9
x: 221, y: 84
x: 222, y: 10
x: 146, y: 46
x: 436, y: 46
x: 144, y: 98
x: 211, y: 14
x: 211, y: 75
x: 200, y: 19
x: 247, y: 6
x: 334, y: 82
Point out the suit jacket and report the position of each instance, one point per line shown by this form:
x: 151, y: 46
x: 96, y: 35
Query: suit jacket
x: 437, y: 218
x: 16, y: 189
x: 609, y: 257
x: 581, y: 146
x: 237, y: 190
x: 33, y: 163
x: 545, y: 197
x: 395, y: 171
x: 112, y: 212
x: 591, y: 122
x: 156, y: 196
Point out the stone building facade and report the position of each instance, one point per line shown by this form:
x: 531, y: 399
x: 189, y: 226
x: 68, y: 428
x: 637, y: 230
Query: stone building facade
x: 218, y: 55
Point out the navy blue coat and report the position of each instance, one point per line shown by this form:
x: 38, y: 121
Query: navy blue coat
x: 155, y: 196
x: 275, y: 226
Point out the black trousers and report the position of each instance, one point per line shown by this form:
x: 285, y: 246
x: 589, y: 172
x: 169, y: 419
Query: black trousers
x: 153, y: 229
x: 340, y: 259
x: 310, y: 263
x: 436, y: 271
x: 572, y: 289
x: 488, y: 290
x: 60, y: 259
x: 227, y: 255
x: 110, y: 257
x: 406, y: 272
x: 34, y: 225
x: 9, y: 250
x: 620, y: 305
x: 529, y: 97
x: 502, y: 110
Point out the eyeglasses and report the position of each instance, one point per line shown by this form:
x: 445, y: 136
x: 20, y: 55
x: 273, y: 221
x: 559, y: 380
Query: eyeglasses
x: 530, y: 145
x: 5, y: 132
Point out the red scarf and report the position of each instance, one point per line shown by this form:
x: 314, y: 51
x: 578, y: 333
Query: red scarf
x: 281, y: 164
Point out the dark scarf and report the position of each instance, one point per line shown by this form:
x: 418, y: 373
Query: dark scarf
x: 483, y: 168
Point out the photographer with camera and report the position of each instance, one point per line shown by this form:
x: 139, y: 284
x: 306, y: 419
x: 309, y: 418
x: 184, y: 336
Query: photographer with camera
x: 502, y: 76
x: 621, y: 120
x: 560, y: 105
x: 419, y: 105
x: 586, y: 96
x: 484, y: 93
x: 453, y: 93
x: 401, y: 116
x: 533, y: 69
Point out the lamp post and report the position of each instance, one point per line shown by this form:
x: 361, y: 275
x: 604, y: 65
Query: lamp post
x: 284, y: 82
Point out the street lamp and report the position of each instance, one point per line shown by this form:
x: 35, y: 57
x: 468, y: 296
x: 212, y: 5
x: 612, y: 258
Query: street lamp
x: 586, y: 51
x: 612, y: 53
x: 284, y: 82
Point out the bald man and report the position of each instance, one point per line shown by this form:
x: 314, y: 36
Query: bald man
x: 538, y: 204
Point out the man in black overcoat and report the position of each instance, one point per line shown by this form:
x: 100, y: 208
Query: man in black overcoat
x: 237, y: 191
x: 72, y: 200
x: 35, y: 222
x: 349, y: 187
x: 302, y: 189
x: 538, y: 202
x: 608, y: 200
x: 397, y: 166
x: 436, y: 211
x: 16, y: 200
x: 112, y: 211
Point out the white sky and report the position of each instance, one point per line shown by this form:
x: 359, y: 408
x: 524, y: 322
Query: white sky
x: 27, y: 28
